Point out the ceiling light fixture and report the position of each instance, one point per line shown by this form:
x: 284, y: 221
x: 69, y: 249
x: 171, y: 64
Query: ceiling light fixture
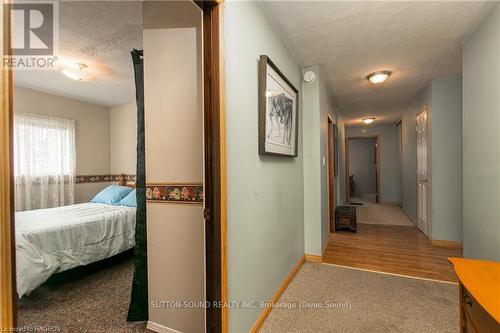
x: 368, y: 121
x: 378, y: 77
x: 78, y: 72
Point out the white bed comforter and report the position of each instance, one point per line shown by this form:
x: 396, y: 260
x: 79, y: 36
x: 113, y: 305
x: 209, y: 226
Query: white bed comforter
x: 57, y: 239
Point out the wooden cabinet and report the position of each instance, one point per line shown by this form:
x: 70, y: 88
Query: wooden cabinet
x: 479, y: 295
x: 345, y: 218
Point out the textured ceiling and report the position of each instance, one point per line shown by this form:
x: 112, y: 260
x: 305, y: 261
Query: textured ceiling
x: 101, y: 35
x: 417, y: 41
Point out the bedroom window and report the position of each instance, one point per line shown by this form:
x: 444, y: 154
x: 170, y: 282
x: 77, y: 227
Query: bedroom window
x: 44, y: 161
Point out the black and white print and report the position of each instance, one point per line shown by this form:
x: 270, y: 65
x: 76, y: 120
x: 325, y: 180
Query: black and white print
x: 278, y: 112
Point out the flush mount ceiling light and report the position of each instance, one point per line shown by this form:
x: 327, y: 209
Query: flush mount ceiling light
x: 78, y: 72
x: 378, y: 77
x: 368, y: 120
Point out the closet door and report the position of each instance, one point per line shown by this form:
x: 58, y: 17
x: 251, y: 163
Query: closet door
x: 422, y: 171
x: 399, y: 152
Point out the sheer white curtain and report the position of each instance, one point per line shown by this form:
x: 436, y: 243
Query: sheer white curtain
x: 44, y: 161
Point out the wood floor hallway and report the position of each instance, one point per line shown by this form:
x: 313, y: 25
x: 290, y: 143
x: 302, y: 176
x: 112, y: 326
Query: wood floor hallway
x: 392, y: 249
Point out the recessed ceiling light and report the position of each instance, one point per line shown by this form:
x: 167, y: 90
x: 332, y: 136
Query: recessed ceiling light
x: 368, y: 120
x: 378, y: 77
x: 78, y: 72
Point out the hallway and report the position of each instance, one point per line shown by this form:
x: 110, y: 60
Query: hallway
x: 372, y: 213
x: 382, y: 245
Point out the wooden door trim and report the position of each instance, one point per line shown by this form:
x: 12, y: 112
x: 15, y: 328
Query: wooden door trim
x: 347, y: 184
x: 331, y: 173
x: 377, y: 179
x: 215, y: 169
x: 8, y: 294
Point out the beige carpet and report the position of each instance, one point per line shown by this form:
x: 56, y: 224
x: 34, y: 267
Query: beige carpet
x: 365, y: 302
x: 93, y: 298
x: 372, y: 213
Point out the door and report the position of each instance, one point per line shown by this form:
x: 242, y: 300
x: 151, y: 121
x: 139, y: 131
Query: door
x: 331, y: 175
x: 376, y: 170
x: 399, y: 131
x: 422, y: 172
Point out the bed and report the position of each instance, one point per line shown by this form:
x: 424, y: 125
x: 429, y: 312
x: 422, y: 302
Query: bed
x: 53, y: 240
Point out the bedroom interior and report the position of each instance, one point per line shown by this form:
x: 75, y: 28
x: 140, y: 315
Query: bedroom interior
x: 75, y: 140
x: 100, y: 135
x: 236, y: 240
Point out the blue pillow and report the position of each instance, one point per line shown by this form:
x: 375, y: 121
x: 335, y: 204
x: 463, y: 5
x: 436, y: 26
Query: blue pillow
x: 112, y: 195
x: 129, y: 200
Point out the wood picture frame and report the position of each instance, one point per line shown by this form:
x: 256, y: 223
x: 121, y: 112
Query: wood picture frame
x: 278, y: 111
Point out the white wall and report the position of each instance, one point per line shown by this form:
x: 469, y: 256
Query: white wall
x: 174, y: 155
x: 264, y: 193
x: 362, y: 166
x: 481, y: 140
x: 92, y: 138
x: 388, y: 157
x: 123, y: 138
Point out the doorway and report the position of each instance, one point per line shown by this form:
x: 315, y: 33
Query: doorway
x: 422, y: 171
x: 212, y: 211
x: 363, y: 169
x: 331, y: 173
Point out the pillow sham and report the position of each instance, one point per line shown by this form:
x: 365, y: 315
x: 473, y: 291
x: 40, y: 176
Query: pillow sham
x: 129, y: 200
x: 112, y: 195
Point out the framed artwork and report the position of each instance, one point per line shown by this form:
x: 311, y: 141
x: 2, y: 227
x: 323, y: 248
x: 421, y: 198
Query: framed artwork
x: 336, y: 145
x: 278, y: 111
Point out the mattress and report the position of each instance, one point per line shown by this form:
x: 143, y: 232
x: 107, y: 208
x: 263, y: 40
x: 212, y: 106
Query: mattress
x: 53, y: 240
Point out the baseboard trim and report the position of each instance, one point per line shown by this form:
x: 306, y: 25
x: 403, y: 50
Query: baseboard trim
x: 284, y: 284
x: 447, y: 244
x: 326, y: 248
x: 160, y: 328
x: 313, y: 258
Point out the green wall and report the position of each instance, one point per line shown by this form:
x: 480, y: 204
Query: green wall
x: 265, y: 193
x: 481, y: 140
x: 317, y: 106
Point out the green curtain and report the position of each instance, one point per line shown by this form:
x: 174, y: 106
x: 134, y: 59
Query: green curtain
x: 138, y: 309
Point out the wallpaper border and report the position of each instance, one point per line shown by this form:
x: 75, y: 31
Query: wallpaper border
x: 80, y: 179
x: 175, y: 193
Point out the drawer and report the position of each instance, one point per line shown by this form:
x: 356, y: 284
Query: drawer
x: 477, y: 320
x: 345, y: 221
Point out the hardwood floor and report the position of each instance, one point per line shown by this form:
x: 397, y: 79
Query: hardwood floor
x: 392, y: 249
